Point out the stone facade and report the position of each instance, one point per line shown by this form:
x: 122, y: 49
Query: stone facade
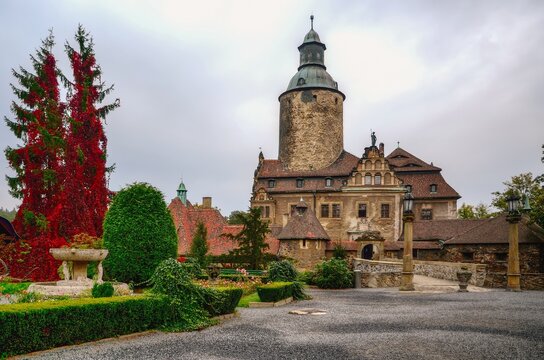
x: 306, y: 253
x: 311, y: 129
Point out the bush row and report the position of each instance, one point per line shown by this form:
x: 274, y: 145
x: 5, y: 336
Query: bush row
x: 39, y: 326
x: 222, y: 301
x: 275, y: 291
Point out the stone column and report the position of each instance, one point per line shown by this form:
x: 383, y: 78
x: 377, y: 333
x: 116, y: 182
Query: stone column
x: 407, y: 281
x: 513, y: 253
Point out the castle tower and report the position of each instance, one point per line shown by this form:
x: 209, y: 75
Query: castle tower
x: 311, y: 112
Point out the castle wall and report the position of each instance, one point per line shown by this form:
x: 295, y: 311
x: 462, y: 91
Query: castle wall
x: 306, y: 255
x: 311, y: 129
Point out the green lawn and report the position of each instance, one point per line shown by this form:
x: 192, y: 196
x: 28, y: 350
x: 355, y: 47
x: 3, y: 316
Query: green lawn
x: 245, y: 300
x: 13, y: 288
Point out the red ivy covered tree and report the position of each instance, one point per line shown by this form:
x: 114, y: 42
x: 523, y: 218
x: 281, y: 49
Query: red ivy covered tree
x: 38, y: 163
x: 85, y: 190
x: 61, y: 165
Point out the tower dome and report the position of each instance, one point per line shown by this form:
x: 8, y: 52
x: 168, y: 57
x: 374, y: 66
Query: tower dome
x: 311, y: 112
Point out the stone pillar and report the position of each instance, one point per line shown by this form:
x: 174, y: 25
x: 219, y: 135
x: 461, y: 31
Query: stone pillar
x: 407, y: 281
x: 513, y: 254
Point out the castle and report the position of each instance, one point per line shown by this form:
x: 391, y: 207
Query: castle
x: 357, y: 200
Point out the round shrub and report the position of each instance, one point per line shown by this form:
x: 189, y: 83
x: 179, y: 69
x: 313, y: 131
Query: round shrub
x: 102, y: 290
x: 139, y: 233
x: 282, y: 271
x: 333, y: 274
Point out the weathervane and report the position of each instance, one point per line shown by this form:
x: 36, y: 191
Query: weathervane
x: 312, y: 21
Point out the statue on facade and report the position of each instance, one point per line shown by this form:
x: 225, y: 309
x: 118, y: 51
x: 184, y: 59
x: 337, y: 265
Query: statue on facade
x: 373, y: 137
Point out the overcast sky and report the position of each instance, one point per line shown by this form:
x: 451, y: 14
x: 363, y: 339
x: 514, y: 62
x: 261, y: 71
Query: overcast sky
x: 458, y: 83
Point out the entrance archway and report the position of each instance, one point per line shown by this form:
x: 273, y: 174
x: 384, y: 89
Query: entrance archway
x: 367, y: 252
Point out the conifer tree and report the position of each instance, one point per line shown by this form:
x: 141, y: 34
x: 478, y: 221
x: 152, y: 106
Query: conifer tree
x: 199, y: 246
x: 85, y: 190
x: 251, y: 239
x: 38, y: 124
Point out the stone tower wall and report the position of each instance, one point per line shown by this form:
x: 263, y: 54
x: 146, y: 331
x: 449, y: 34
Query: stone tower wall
x: 311, y: 129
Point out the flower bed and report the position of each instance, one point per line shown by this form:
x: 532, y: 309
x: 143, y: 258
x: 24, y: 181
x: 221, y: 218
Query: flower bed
x: 248, y: 286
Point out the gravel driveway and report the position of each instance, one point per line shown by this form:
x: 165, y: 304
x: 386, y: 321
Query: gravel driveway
x: 358, y: 324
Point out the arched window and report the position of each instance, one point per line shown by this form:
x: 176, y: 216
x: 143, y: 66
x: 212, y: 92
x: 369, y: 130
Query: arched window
x: 368, y: 165
x: 378, y: 165
x: 378, y: 179
x: 368, y: 179
x: 358, y: 179
x: 328, y: 182
x: 387, y: 179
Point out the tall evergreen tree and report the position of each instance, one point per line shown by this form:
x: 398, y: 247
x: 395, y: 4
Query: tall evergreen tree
x: 251, y: 239
x: 38, y: 123
x: 199, y: 246
x: 85, y: 190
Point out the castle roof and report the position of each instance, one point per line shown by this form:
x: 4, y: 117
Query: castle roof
x: 402, y: 161
x: 342, y: 166
x: 303, y: 225
x: 186, y: 219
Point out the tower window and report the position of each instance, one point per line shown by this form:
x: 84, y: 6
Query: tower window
x: 271, y: 183
x: 300, y: 183
x: 433, y: 188
x: 385, y: 211
x: 324, y: 210
x: 426, y: 214
x: 335, y: 210
x: 328, y: 182
x: 361, y: 212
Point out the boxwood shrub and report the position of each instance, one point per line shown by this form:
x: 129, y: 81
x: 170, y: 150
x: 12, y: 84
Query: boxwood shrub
x: 275, y: 291
x: 222, y: 300
x: 43, y: 325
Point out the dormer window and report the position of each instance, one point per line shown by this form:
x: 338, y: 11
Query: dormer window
x: 433, y: 188
x: 328, y: 182
x: 271, y: 183
x: 300, y: 183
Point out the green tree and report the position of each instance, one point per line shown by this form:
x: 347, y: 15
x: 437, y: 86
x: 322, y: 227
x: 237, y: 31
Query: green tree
x: 466, y: 212
x: 234, y: 218
x: 139, y: 233
x: 199, y: 246
x: 251, y: 239
x: 523, y: 185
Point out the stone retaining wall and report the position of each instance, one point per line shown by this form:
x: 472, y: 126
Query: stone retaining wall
x: 528, y: 281
x: 388, y: 272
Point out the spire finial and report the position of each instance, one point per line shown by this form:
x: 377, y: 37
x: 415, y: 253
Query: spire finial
x: 398, y: 144
x: 312, y: 21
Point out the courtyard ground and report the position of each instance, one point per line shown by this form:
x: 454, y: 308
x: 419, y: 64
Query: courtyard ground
x: 357, y: 324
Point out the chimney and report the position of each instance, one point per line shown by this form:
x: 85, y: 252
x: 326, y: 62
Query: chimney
x: 382, y: 149
x: 207, y: 202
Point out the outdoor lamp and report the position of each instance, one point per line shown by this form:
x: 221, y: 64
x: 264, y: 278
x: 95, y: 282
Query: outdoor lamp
x: 513, y: 203
x: 526, y: 205
x: 408, y: 202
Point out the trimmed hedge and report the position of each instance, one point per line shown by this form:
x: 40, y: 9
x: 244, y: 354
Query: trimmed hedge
x: 222, y: 300
x: 275, y: 291
x: 44, y: 325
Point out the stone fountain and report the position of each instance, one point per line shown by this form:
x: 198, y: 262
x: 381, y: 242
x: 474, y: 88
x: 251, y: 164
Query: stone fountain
x: 76, y: 282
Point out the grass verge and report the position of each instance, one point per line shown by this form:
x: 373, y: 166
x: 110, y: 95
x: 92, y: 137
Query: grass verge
x: 245, y: 300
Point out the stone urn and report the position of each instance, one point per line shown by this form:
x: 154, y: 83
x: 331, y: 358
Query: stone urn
x: 80, y: 258
x: 463, y: 276
x: 214, y: 270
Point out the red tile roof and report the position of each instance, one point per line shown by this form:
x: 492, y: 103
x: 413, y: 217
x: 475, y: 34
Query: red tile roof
x: 186, y: 219
x: 341, y: 167
x: 441, y: 229
x: 421, y: 185
x: 303, y: 224
x: 401, y: 160
x: 495, y: 231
